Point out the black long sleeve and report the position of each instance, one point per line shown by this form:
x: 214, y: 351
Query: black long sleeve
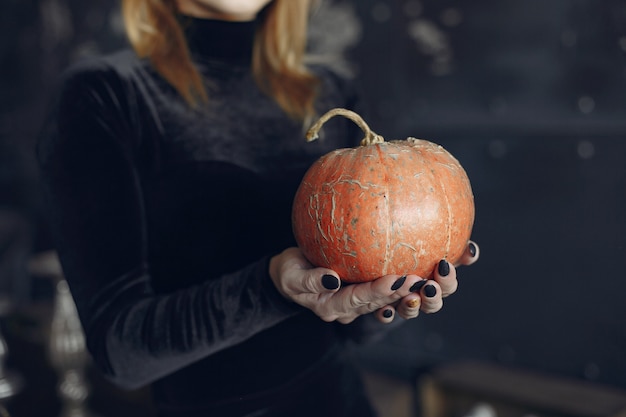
x: 96, y: 195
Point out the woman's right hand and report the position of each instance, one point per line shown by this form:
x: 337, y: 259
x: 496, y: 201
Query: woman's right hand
x: 319, y: 289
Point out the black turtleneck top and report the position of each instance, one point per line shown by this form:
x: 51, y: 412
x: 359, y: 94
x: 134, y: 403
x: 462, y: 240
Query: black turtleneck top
x: 165, y: 218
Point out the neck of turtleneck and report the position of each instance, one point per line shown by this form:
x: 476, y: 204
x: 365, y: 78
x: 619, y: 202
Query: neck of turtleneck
x: 219, y: 40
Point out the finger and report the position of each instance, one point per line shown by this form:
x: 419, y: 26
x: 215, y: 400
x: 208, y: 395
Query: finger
x: 409, y: 306
x: 445, y: 275
x: 432, y: 300
x: 315, y: 281
x: 364, y: 298
x: 370, y: 296
x: 471, y: 254
x: 386, y: 314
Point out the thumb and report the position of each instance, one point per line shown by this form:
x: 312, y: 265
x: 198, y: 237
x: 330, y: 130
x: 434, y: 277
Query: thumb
x: 330, y: 282
x: 320, y: 281
x: 471, y: 254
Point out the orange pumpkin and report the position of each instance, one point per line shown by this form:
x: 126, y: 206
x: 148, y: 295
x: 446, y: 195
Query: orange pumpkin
x: 395, y: 207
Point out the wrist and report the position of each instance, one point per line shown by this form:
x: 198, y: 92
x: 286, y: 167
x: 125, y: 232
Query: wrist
x: 273, y: 268
x: 270, y: 288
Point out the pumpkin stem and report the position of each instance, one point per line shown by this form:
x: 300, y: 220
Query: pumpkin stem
x: 370, y: 138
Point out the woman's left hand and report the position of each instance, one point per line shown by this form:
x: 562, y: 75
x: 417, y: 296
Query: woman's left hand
x: 428, y: 295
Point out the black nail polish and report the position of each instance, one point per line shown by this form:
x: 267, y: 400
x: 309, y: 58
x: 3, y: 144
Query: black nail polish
x: 472, y: 249
x: 430, y: 291
x: 443, y: 268
x: 399, y: 282
x: 387, y: 313
x: 417, y: 286
x: 330, y: 282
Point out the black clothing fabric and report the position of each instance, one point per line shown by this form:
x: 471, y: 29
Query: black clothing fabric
x: 165, y: 218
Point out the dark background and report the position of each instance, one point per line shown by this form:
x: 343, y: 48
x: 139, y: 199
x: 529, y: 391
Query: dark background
x: 530, y: 96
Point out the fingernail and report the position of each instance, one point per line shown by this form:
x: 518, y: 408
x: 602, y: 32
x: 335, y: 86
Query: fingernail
x: 330, y: 282
x: 472, y: 249
x: 443, y: 268
x: 387, y: 313
x: 430, y: 291
x: 414, y: 303
x: 398, y: 283
x: 417, y: 286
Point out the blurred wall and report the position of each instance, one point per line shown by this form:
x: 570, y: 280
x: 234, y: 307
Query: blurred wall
x: 40, y: 39
x: 529, y: 95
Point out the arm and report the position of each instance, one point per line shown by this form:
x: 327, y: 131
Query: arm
x: 94, y: 194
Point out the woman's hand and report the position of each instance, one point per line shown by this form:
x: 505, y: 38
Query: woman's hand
x: 428, y: 295
x: 319, y: 289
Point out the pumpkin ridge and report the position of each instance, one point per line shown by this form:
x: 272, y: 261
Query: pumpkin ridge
x: 450, y: 217
x: 326, y: 235
x: 388, y: 229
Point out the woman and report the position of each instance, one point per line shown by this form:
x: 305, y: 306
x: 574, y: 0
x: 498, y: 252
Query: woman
x: 170, y: 172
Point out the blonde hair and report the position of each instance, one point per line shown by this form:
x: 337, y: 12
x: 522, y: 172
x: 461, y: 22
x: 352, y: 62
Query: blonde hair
x: 277, y: 60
